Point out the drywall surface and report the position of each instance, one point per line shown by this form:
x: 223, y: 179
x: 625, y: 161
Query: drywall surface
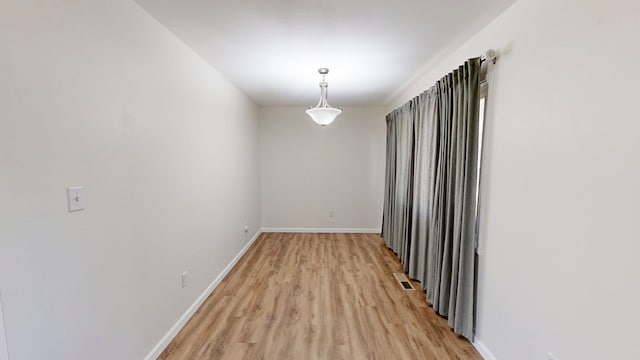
x: 315, y: 177
x: 559, y: 241
x: 98, y: 94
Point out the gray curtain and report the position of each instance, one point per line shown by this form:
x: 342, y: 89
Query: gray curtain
x: 399, y: 173
x: 429, y: 215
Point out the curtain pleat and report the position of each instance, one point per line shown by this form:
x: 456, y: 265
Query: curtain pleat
x: 397, y: 215
x: 429, y: 214
x: 389, y: 181
x: 416, y: 268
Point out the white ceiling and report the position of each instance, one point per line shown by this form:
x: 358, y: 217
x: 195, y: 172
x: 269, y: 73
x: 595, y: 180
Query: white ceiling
x: 271, y: 49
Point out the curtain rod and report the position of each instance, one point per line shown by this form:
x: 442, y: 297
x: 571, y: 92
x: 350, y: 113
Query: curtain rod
x: 490, y: 55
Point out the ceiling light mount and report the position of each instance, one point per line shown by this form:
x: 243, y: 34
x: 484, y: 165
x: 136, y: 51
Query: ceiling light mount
x: 323, y: 114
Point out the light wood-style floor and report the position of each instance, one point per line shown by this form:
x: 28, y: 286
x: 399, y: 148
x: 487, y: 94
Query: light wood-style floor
x: 317, y: 296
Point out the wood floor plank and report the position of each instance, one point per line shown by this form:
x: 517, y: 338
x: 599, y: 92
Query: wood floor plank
x: 317, y: 296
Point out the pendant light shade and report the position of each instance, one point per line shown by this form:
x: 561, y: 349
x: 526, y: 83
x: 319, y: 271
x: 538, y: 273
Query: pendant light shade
x: 323, y: 114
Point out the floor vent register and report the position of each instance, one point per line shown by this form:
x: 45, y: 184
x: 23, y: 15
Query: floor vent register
x: 404, y: 282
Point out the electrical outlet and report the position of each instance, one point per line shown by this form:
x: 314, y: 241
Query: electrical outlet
x: 331, y: 213
x: 551, y: 356
x: 185, y: 279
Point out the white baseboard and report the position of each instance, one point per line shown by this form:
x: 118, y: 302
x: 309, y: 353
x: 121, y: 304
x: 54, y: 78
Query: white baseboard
x: 175, y: 329
x: 322, y: 230
x: 483, y: 350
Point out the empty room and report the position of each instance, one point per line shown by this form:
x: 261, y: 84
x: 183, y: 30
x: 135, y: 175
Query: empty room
x: 322, y: 179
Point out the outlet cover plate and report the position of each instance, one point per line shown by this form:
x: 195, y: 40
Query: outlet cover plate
x: 185, y: 279
x: 75, y: 198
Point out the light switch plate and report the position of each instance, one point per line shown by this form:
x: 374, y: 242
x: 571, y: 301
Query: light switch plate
x: 75, y: 198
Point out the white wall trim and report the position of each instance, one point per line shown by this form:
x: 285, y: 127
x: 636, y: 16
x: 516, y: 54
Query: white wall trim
x: 175, y: 329
x: 322, y: 230
x: 4, y: 350
x: 483, y: 350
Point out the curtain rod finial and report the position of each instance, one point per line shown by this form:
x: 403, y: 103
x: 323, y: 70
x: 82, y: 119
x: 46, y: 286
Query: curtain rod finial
x: 491, y: 55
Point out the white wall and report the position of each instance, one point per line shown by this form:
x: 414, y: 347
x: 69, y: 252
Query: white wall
x: 98, y: 94
x: 559, y: 265
x: 308, y: 171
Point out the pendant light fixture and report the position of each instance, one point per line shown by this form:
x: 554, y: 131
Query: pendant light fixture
x: 323, y: 114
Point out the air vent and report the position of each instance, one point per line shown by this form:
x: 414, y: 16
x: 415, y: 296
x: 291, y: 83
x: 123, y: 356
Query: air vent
x: 403, y: 281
